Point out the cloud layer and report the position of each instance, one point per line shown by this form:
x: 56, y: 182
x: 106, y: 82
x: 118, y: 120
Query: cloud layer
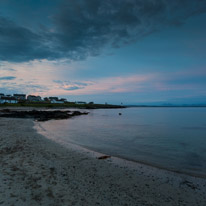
x: 156, y: 85
x: 78, y: 29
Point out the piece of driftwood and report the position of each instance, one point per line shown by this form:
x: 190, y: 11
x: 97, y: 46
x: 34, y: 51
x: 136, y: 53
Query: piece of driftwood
x: 104, y: 157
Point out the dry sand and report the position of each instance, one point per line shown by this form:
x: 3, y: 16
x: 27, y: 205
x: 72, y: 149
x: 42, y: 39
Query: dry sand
x: 36, y: 171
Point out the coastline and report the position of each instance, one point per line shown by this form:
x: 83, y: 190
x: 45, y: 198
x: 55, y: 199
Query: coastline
x: 37, y: 171
x: 132, y: 163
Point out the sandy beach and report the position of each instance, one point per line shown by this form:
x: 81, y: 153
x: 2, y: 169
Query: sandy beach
x: 37, y: 171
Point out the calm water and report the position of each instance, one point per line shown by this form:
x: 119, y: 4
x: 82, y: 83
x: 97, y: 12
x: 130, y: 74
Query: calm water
x: 172, y: 138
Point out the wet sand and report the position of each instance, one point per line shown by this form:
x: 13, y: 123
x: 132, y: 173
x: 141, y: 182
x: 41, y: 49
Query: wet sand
x: 37, y: 171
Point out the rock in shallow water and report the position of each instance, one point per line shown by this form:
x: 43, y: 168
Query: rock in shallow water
x: 42, y: 115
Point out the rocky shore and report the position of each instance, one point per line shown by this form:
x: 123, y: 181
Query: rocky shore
x: 37, y: 171
x: 40, y: 115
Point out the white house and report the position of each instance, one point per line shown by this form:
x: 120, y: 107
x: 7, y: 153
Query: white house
x: 11, y: 100
x: 54, y: 101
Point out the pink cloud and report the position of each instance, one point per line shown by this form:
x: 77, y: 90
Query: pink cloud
x: 106, y: 85
x: 38, y: 78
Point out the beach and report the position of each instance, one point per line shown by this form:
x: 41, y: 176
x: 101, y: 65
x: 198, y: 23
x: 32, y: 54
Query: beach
x: 37, y: 171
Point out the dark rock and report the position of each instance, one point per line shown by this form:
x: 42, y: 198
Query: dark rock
x: 40, y: 115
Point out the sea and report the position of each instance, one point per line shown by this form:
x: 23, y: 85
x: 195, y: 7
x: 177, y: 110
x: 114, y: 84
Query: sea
x: 172, y: 138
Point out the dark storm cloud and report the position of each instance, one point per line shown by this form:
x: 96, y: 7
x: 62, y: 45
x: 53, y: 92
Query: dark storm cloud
x: 83, y: 28
x: 7, y: 78
x: 21, y: 44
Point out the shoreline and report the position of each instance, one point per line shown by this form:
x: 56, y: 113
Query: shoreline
x: 37, y: 171
x: 133, y: 162
x: 116, y: 159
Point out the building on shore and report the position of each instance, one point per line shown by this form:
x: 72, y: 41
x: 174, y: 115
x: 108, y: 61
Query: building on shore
x: 53, y: 98
x: 53, y: 101
x: 20, y: 97
x: 33, y: 98
x: 46, y: 99
x: 56, y: 100
x: 11, y: 100
x: 63, y: 99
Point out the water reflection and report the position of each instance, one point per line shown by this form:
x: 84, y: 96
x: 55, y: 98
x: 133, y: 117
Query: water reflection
x: 173, y: 138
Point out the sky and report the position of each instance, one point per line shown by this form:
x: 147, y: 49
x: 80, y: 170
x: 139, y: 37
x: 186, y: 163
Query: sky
x: 114, y: 51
